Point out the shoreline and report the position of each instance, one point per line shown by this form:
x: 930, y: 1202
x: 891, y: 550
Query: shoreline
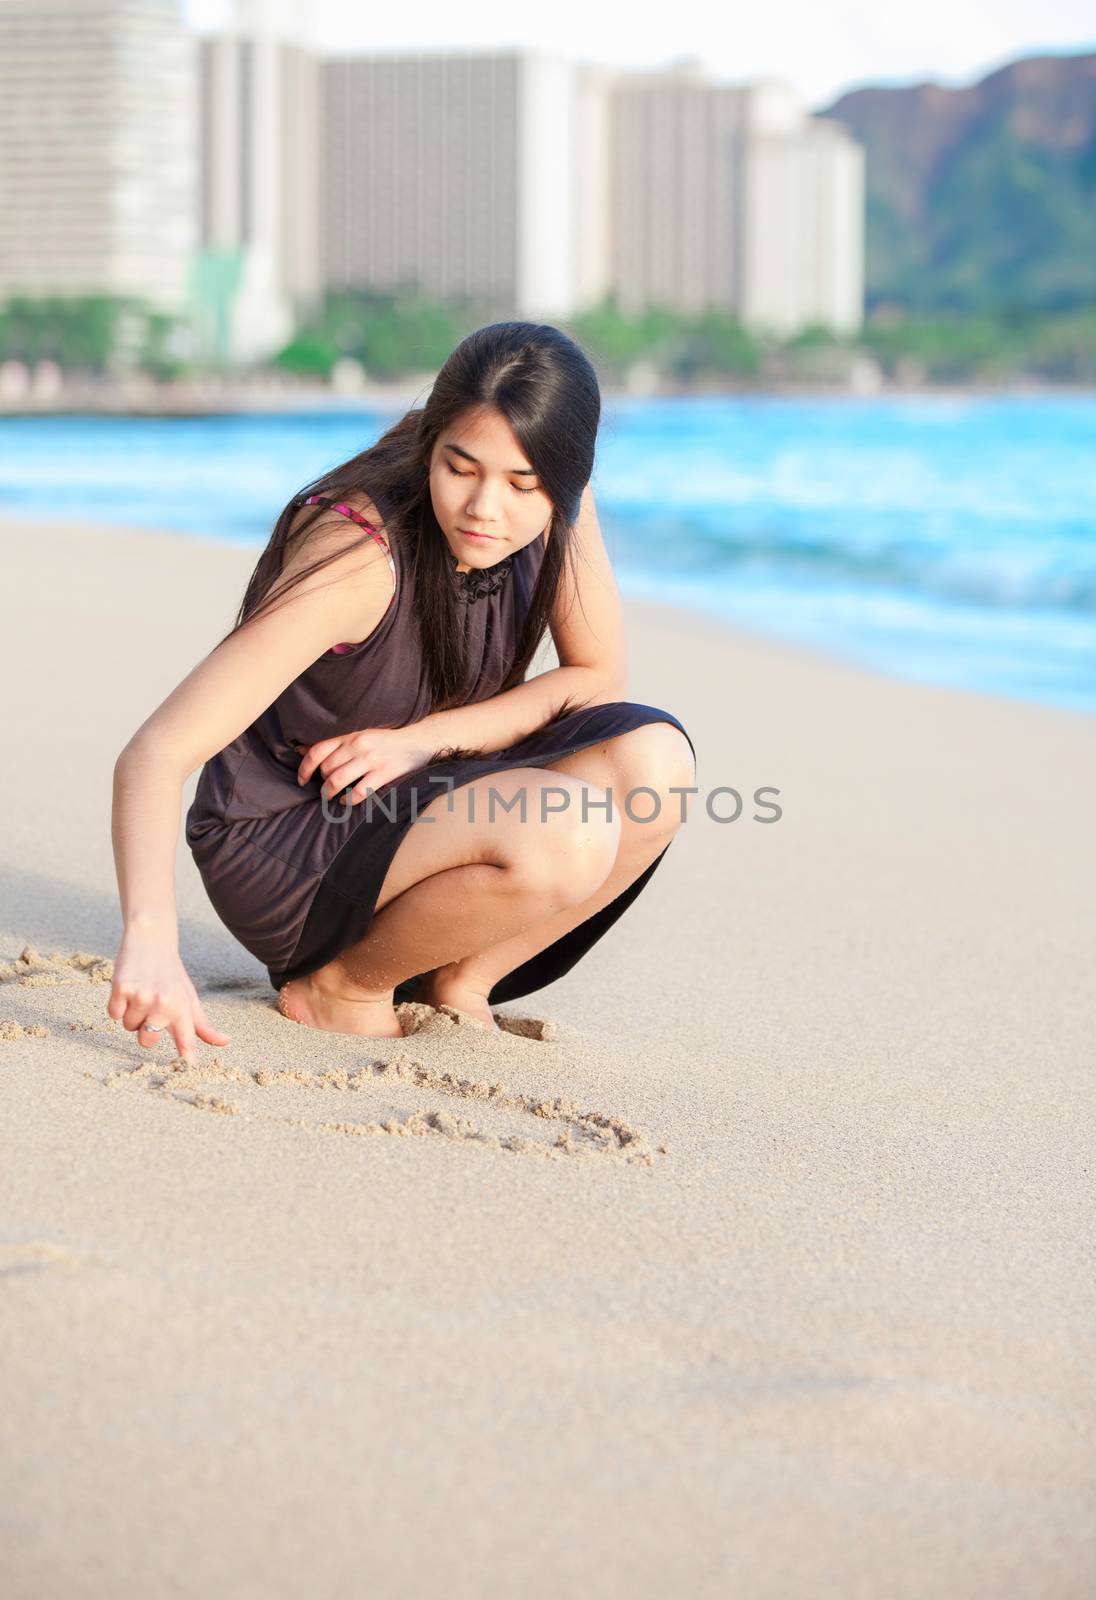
x: 233, y: 399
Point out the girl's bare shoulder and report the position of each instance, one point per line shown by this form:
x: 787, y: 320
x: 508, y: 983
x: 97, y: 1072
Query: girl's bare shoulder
x: 350, y: 517
x: 319, y: 532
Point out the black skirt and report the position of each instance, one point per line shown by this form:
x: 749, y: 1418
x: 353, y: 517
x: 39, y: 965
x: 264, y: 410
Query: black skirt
x: 342, y: 910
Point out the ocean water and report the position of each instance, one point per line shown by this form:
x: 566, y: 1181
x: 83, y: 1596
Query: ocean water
x: 945, y: 539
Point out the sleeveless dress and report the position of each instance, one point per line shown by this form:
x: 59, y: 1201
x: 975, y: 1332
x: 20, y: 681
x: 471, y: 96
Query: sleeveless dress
x: 297, y: 887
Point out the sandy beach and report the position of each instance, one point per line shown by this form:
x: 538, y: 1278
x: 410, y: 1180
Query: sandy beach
x: 752, y: 1258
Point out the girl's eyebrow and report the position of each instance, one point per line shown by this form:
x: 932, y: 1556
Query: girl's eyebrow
x: 525, y: 472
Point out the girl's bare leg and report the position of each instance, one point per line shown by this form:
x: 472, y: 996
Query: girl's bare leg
x: 456, y: 885
x: 656, y: 757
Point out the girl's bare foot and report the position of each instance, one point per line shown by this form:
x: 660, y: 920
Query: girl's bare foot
x: 305, y: 1001
x: 446, y: 987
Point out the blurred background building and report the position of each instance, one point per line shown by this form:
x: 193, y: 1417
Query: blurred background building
x: 257, y: 272
x: 98, y: 149
x: 240, y: 178
x: 799, y: 206
x: 458, y: 176
x: 732, y: 198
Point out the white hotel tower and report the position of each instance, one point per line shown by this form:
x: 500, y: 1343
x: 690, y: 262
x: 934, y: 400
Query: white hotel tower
x: 732, y: 197
x: 97, y: 173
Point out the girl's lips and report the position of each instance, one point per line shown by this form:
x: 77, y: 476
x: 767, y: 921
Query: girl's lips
x: 468, y: 534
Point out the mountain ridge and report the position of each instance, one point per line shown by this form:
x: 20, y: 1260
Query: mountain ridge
x: 984, y: 195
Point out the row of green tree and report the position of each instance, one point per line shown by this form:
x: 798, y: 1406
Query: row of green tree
x: 391, y: 337
x: 395, y: 336
x: 90, y: 334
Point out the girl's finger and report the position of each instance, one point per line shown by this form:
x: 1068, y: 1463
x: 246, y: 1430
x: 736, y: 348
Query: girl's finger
x: 205, y: 1029
x: 372, y: 780
x: 356, y: 775
x: 325, y: 747
x: 183, y: 1035
x: 340, y: 778
x: 316, y: 769
x: 137, y: 1009
x: 116, y: 1005
x: 314, y: 754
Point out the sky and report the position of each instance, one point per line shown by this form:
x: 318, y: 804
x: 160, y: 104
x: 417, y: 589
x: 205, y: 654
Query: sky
x: 820, y: 49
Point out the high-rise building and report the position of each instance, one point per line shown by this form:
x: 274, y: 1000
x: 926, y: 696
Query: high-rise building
x: 258, y: 269
x: 455, y: 176
x: 801, y: 201
x: 97, y: 179
x: 240, y: 177
x: 672, y: 185
x: 732, y: 198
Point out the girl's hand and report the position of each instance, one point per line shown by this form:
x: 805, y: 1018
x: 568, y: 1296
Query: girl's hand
x: 367, y: 759
x: 151, y: 986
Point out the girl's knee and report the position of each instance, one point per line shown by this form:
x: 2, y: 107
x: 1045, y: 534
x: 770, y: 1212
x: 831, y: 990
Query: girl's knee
x: 665, y: 755
x: 655, y: 763
x: 567, y: 847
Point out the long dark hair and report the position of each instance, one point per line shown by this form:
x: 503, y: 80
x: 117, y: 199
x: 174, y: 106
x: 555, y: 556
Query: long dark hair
x: 546, y: 388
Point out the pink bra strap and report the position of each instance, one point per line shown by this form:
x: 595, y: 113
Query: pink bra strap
x: 348, y: 511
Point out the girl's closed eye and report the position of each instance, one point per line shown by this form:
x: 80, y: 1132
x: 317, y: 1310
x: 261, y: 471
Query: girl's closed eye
x: 516, y: 486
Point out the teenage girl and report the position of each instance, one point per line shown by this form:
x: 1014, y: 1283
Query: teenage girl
x: 371, y: 695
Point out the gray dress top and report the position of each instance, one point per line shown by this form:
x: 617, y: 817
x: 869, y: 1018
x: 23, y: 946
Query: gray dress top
x: 297, y: 887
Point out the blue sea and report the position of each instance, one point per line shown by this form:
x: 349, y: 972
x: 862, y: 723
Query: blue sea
x: 948, y: 540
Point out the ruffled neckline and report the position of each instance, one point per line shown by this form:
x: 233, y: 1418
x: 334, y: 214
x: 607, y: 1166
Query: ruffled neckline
x: 480, y: 581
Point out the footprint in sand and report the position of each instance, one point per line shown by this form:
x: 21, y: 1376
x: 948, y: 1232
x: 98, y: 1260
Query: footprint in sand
x: 415, y: 1016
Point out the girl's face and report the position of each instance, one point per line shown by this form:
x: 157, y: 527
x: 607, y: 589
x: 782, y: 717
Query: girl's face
x: 487, y: 498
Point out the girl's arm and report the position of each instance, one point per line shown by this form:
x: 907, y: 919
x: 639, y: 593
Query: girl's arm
x: 587, y: 627
x: 221, y: 697
x: 212, y: 706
